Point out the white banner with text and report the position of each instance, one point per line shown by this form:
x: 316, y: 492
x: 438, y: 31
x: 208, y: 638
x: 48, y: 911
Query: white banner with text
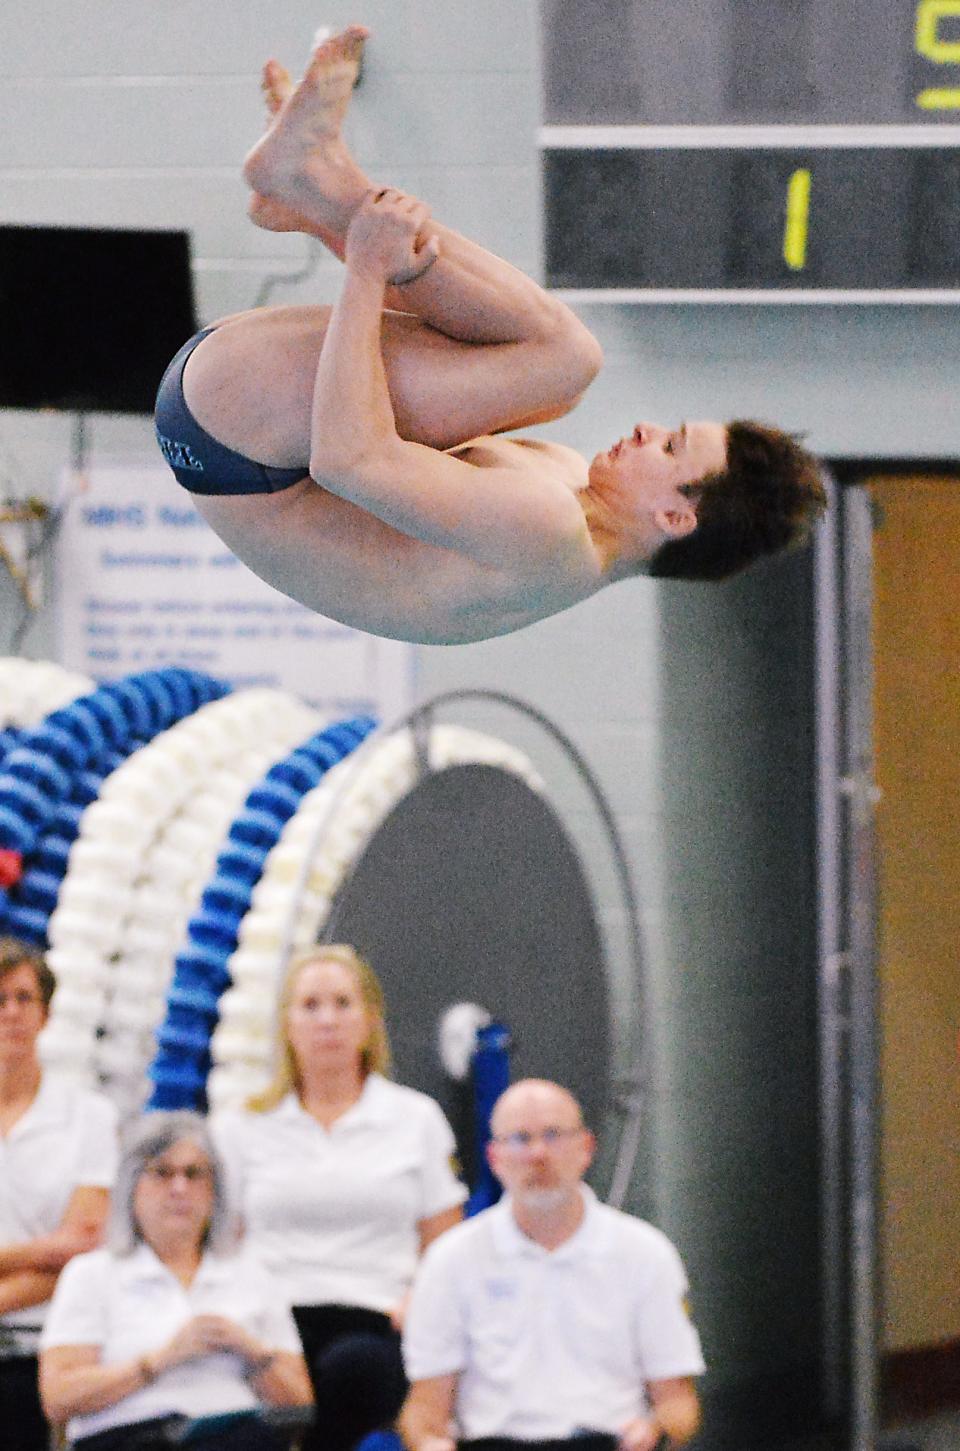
x: 142, y: 581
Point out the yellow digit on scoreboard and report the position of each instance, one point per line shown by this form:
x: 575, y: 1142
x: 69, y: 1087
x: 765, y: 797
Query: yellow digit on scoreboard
x: 928, y: 43
x: 798, y: 220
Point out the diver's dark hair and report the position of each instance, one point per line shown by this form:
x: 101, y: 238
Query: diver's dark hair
x: 766, y: 499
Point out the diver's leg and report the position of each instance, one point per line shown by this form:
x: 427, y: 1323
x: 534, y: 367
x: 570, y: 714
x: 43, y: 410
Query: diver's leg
x: 250, y: 382
x: 303, y: 169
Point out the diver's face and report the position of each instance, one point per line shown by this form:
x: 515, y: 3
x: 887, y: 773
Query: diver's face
x: 652, y: 458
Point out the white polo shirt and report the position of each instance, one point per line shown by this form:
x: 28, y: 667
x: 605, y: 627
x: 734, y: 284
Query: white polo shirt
x: 545, y: 1343
x: 130, y: 1305
x: 67, y: 1139
x: 334, y: 1213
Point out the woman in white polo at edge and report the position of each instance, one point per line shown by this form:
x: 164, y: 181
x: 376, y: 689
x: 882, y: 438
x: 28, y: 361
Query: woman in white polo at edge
x: 343, y: 1179
x: 58, y: 1161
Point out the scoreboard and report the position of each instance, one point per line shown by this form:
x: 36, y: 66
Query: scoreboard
x: 752, y: 150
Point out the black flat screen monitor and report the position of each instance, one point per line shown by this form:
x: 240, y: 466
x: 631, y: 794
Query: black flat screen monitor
x: 90, y: 316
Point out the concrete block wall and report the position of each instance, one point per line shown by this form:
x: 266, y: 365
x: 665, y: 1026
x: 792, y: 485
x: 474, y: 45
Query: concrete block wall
x: 139, y: 116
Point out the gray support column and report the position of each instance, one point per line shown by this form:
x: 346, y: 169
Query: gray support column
x: 832, y: 976
x: 860, y: 892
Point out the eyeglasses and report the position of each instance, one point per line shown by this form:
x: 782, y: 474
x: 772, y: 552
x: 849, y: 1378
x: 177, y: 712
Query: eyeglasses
x: 22, y: 999
x: 520, y: 1140
x: 166, y: 1173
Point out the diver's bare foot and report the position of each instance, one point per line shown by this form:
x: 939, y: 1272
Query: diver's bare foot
x: 277, y: 87
x: 302, y: 161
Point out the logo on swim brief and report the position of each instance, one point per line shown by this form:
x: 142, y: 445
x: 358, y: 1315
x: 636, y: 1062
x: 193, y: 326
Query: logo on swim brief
x: 179, y: 455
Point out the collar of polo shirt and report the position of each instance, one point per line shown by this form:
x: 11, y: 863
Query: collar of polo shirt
x: 53, y: 1102
x: 143, y: 1265
x: 509, y: 1238
x: 372, y: 1107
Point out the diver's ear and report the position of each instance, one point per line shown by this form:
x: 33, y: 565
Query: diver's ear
x: 676, y: 521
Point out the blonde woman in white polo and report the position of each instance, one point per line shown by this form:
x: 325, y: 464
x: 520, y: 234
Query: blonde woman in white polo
x: 343, y: 1179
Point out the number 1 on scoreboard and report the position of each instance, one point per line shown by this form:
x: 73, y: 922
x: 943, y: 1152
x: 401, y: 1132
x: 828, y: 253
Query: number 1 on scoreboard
x: 798, y: 220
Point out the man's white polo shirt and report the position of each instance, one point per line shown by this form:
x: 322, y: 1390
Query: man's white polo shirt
x: 545, y: 1343
x: 129, y: 1305
x: 66, y: 1140
x: 334, y: 1213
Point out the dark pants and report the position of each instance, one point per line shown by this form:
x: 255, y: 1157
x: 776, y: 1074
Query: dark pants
x: 593, y: 1442
x: 23, y: 1426
x: 354, y: 1360
x: 155, y: 1435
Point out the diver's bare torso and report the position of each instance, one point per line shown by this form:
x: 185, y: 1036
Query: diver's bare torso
x: 369, y: 575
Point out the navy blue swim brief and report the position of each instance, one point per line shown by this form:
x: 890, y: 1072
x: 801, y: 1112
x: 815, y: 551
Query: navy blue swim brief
x: 200, y: 463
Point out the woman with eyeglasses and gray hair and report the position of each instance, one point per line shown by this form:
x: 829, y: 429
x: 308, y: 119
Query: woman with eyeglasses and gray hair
x: 170, y: 1318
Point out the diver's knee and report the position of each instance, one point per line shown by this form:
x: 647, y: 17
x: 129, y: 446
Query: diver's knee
x: 579, y: 353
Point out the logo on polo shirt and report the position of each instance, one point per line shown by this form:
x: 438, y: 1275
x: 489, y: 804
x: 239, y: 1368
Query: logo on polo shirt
x: 501, y: 1289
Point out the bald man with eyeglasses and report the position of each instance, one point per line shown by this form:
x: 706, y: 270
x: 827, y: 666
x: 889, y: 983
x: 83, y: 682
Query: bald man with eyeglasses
x: 549, y: 1320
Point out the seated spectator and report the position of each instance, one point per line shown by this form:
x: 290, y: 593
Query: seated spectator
x: 170, y: 1317
x: 344, y: 1179
x: 57, y: 1163
x: 549, y: 1320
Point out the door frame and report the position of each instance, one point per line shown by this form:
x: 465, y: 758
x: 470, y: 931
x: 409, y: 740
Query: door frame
x: 848, y: 950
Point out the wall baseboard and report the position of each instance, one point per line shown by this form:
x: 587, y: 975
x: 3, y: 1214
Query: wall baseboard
x: 920, y: 1382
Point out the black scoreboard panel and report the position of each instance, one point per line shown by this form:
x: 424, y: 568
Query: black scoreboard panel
x: 757, y: 146
x: 717, y: 62
x: 883, y: 218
